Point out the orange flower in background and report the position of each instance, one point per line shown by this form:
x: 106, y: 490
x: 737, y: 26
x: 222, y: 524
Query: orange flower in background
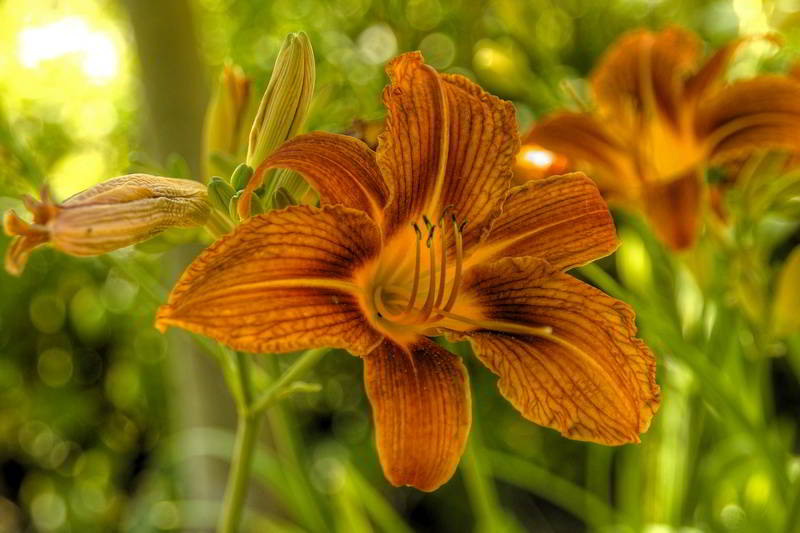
x: 389, y: 261
x: 662, y: 117
x: 111, y: 215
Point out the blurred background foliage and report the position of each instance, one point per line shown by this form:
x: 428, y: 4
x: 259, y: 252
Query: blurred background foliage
x: 94, y: 402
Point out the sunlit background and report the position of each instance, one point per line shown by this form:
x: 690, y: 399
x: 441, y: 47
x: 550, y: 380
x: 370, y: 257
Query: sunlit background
x: 93, y: 407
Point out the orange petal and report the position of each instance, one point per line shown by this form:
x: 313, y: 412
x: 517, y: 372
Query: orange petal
x: 281, y: 282
x: 421, y: 406
x: 447, y: 142
x: 762, y: 113
x: 643, y: 72
x: 645, y: 69
x: 673, y: 209
x: 583, y: 139
x: 562, y: 219
x: 591, y: 378
x: 342, y: 169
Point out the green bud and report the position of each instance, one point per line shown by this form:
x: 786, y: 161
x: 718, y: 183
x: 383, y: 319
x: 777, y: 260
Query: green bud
x: 220, y: 193
x: 232, y: 207
x: 241, y: 176
x: 286, y: 101
x: 227, y: 121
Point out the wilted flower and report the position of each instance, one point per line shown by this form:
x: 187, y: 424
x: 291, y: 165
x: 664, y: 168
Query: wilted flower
x: 661, y: 118
x: 113, y: 214
x: 389, y: 261
x: 227, y: 122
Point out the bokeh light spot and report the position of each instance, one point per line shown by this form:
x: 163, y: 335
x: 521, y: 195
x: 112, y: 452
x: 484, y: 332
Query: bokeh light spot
x: 165, y: 515
x: 55, y: 367
x: 70, y: 35
x: 424, y: 14
x: 377, y: 44
x: 47, y: 312
x: 439, y: 50
x: 48, y: 511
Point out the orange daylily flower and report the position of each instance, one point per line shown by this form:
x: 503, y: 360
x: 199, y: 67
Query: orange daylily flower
x: 661, y: 118
x: 389, y: 260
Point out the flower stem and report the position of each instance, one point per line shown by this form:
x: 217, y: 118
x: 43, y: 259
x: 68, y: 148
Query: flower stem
x: 246, y: 436
x: 298, y: 368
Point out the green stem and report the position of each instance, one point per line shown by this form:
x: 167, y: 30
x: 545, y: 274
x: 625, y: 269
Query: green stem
x: 480, y: 488
x: 303, y: 364
x: 664, y: 337
x: 246, y: 437
x: 567, y: 495
x: 792, y: 524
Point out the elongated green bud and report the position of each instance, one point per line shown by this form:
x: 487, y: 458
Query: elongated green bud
x: 227, y: 121
x: 220, y: 193
x: 241, y: 176
x: 286, y: 101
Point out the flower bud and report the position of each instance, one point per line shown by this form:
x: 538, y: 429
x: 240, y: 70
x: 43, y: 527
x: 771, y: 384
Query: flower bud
x: 286, y: 101
x: 225, y: 131
x: 241, y: 176
x: 220, y: 193
x: 111, y: 215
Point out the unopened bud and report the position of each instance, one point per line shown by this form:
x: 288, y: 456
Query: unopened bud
x: 229, y: 115
x: 111, y: 215
x: 220, y: 193
x: 286, y: 101
x: 241, y: 176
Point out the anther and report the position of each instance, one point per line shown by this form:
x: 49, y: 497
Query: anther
x: 427, y: 222
x: 429, y: 241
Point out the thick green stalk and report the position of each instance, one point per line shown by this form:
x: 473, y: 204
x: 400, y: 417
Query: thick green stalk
x: 567, y: 495
x: 246, y: 438
x: 480, y: 488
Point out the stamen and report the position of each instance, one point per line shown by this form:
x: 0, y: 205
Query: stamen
x: 459, y: 263
x: 443, y: 276
x: 501, y: 325
x: 13, y: 224
x: 428, y: 306
x: 415, y: 285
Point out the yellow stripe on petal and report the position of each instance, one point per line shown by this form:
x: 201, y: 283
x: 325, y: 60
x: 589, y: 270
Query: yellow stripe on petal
x: 573, y: 363
x: 422, y: 411
x: 281, y: 282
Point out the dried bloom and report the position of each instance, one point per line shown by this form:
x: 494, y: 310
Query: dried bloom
x: 389, y: 261
x: 662, y: 117
x: 113, y: 214
x: 225, y: 131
